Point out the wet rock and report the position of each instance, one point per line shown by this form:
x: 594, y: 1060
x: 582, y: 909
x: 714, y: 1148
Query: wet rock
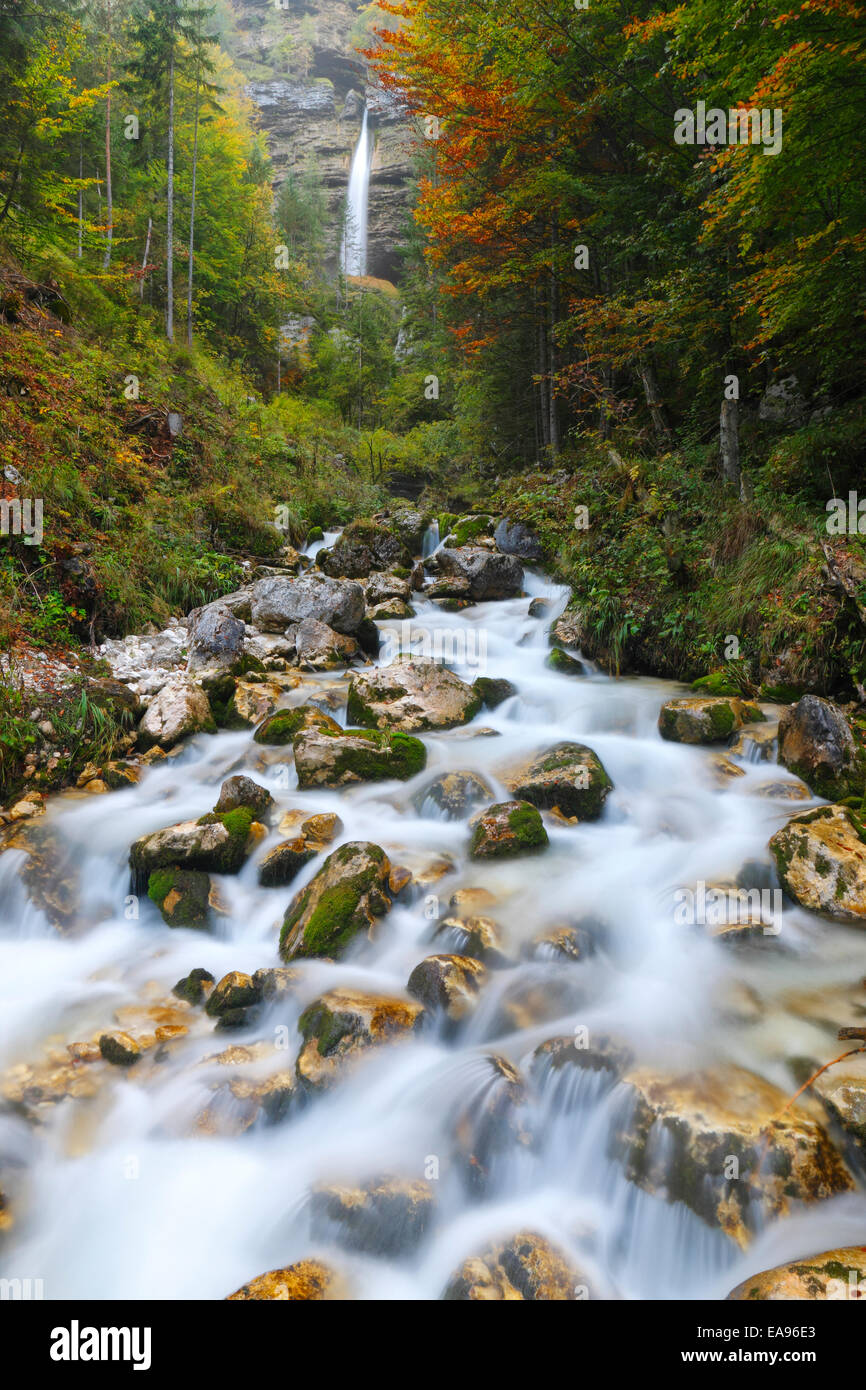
x: 118, y: 774
x: 307, y: 1281
x: 569, y: 777
x: 565, y: 943
x: 50, y: 873
x: 560, y: 1057
x: 539, y: 994
x: 490, y: 575
x: 411, y: 694
x: 390, y: 609
x: 569, y: 630
x: 180, y: 709
x: 214, y: 844
x: 755, y: 745
x: 526, y: 1268
x: 271, y: 650
x: 475, y: 526
x: 285, y: 861
x: 363, y: 547
x: 705, y: 719
x: 833, y: 1275
x: 409, y: 525
x: 490, y: 1121
x: 182, y: 896
x: 216, y: 650
x: 507, y: 829
x: 234, y: 991
x: 388, y: 1216
x: 322, y: 828
x: 515, y: 538
x: 453, y: 796
x: 241, y: 791
x: 821, y: 859
x: 119, y: 1049
x: 319, y: 647
x: 783, y: 791
x: 324, y: 759
x: 540, y: 608
x: 251, y: 702
x: 448, y: 985
x: 468, y: 901
x: 342, y: 1025
x: 195, y: 986
x: 276, y: 983
x: 451, y: 587
x: 280, y: 728
x: 678, y: 1134
x: 493, y: 690
x: 566, y: 665
x: 815, y: 743
x: 347, y: 896
x: 277, y: 603
x: 478, y: 937
x: 842, y: 1091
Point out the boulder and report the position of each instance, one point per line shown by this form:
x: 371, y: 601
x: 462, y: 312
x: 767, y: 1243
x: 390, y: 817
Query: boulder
x: 453, y: 796
x: 307, y: 1281
x: 234, y: 991
x: 251, y: 702
x: 705, y: 719
x: 566, y: 665
x: 507, y: 829
x: 842, y: 1092
x: 489, y: 1122
x: 347, y: 896
x: 411, y: 694
x: 216, y: 650
x: 388, y: 1216
x: 568, y: 777
x: 326, y: 759
x: 342, y: 1025
x: 525, y: 1268
x: 390, y: 610
x: 363, y: 547
x: 180, y: 709
x: 815, y: 743
x: 119, y: 1049
x: 182, y: 896
x: 319, y: 647
x: 448, y: 985
x: 490, y: 575
x: 382, y: 587
x: 515, y: 538
x: 678, y: 1135
x: 285, y: 861
x: 281, y: 728
x: 214, y: 844
x: 478, y: 937
x: 821, y: 859
x: 409, y: 525
x: 835, y: 1274
x: 464, y: 529
x: 494, y: 690
x: 240, y: 791
x: 277, y: 603
x: 195, y: 986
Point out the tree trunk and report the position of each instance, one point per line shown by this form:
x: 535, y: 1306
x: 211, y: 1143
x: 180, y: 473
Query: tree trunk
x: 146, y: 257
x: 109, y: 197
x: 80, y: 198
x: 192, y: 218
x: 169, y: 251
x: 729, y: 443
x: 654, y: 400
x: 554, y: 310
x: 543, y: 383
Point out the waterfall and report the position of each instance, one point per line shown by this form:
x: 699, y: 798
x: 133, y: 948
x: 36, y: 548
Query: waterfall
x: 353, y: 252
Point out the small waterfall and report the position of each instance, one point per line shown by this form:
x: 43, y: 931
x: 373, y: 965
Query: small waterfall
x: 431, y: 540
x: 353, y: 252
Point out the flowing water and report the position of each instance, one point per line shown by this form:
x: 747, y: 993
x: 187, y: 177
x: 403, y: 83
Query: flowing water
x: 354, y: 248
x: 126, y: 1198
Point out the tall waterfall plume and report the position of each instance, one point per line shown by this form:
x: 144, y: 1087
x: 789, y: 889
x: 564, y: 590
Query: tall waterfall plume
x: 353, y: 252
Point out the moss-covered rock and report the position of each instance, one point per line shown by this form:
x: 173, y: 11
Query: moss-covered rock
x: 490, y: 574
x: 412, y: 694
x: 240, y: 791
x: 280, y: 728
x: 821, y: 859
x: 285, y: 861
x: 194, y: 987
x: 716, y: 683
x: 453, y: 796
x: 346, y: 897
x: 466, y: 529
x: 448, y: 985
x: 816, y: 743
x: 364, y: 546
x: 507, y: 829
x: 494, y: 690
x: 182, y: 896
x: 234, y: 991
x: 342, y: 1025
x: 569, y: 777
x: 705, y: 719
x: 783, y: 1155
x: 387, y: 1216
x: 326, y: 759
x: 559, y: 660
x: 837, y: 1275
x: 214, y: 844
x: 119, y: 1049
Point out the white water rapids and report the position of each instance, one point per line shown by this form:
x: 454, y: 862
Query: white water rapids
x: 125, y: 1200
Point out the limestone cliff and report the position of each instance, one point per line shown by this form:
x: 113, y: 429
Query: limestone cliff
x: 310, y: 86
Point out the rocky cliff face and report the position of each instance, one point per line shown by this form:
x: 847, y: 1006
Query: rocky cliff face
x: 310, y: 86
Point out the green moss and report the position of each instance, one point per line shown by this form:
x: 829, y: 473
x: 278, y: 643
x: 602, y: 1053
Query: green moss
x: 716, y: 683
x: 238, y: 822
x: 526, y: 825
x: 387, y: 753
x: 189, y: 890
x: 527, y: 833
x: 468, y: 529
x: 280, y: 728
x: 558, y: 660
x: 722, y: 720
x: 315, y: 533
